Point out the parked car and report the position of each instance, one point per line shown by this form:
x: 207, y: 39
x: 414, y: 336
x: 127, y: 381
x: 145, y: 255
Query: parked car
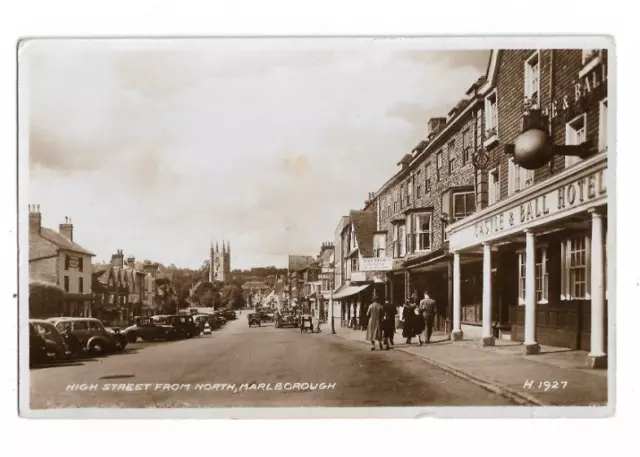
x: 91, y: 334
x: 254, y: 319
x: 202, y: 320
x: 229, y: 314
x: 146, y: 329
x: 53, y: 340
x: 219, y: 318
x: 184, y: 324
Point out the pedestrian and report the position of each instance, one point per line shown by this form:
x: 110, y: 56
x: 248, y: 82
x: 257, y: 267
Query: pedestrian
x: 408, y: 316
x: 428, y: 311
x: 374, y: 331
x: 388, y: 324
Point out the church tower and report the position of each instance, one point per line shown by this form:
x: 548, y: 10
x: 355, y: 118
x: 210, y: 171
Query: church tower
x: 220, y: 262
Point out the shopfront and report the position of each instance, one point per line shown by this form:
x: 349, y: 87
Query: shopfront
x: 539, y: 265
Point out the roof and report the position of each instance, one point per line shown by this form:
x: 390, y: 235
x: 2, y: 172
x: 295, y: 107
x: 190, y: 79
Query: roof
x: 62, y: 242
x: 300, y: 262
x: 364, y: 224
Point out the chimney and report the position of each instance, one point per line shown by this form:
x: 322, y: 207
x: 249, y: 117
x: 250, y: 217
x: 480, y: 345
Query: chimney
x: 35, y: 220
x: 117, y: 259
x: 435, y: 124
x: 66, y: 229
x: 131, y: 261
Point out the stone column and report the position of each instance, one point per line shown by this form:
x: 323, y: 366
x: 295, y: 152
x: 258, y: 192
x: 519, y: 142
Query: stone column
x: 597, y: 355
x: 456, y: 333
x: 530, y: 344
x: 487, y: 295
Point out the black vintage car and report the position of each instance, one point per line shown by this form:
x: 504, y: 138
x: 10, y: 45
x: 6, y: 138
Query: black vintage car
x: 183, y: 323
x: 287, y: 320
x: 254, y: 319
x: 146, y: 329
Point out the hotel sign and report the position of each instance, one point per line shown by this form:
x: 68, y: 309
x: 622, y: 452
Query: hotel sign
x: 376, y: 264
x: 559, y: 200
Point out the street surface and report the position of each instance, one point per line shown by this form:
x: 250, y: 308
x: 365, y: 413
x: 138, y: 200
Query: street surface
x: 184, y: 374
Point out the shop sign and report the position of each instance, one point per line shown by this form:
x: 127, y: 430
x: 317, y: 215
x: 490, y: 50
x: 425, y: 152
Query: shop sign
x: 376, y: 264
x: 358, y: 276
x: 556, y: 201
x: 591, y: 85
x: 74, y: 262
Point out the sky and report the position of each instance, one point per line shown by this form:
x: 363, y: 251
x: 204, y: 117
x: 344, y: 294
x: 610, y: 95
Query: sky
x: 157, y: 147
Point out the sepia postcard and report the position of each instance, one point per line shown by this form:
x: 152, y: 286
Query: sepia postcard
x: 316, y: 227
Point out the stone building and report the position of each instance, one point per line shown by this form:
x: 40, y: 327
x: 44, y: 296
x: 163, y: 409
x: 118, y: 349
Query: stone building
x: 55, y: 257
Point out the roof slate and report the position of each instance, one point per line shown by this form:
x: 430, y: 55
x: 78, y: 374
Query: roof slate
x: 62, y: 242
x: 364, y: 224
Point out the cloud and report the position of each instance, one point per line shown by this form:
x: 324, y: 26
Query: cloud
x: 156, y: 149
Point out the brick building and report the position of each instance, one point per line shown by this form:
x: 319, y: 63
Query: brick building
x: 55, y: 258
x: 434, y: 186
x: 540, y: 234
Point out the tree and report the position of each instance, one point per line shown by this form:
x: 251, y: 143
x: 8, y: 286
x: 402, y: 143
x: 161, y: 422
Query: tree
x: 232, y: 296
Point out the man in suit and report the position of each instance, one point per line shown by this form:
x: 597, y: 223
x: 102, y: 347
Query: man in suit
x: 428, y: 312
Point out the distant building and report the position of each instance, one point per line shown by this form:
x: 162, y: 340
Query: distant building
x: 220, y: 263
x: 55, y: 258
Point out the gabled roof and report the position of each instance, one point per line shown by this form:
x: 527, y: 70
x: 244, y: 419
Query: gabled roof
x: 364, y: 224
x: 300, y: 262
x: 62, y: 242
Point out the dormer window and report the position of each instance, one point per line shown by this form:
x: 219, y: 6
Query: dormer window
x: 532, y: 80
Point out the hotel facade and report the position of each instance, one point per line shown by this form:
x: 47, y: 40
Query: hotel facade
x: 501, y: 212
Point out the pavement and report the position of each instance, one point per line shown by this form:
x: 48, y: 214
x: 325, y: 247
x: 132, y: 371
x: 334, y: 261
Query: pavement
x: 238, y: 366
x: 555, y: 377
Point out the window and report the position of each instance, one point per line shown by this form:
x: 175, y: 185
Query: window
x: 66, y: 262
x: 576, y: 133
x: 532, y: 80
x: 542, y: 277
x: 95, y: 325
x: 354, y: 264
x: 575, y: 267
x: 419, y: 184
x: 409, y: 192
x: 81, y: 285
x: 491, y: 116
x: 464, y: 204
x: 401, y: 196
x: 80, y: 264
x: 379, y: 245
x: 66, y: 283
x: 439, y: 160
x: 466, y: 146
x: 353, y: 244
x: 452, y: 161
x: 427, y: 185
x: 519, y: 178
x: 451, y: 149
x: 494, y: 186
x: 399, y: 243
x: 422, y: 231
x: 80, y: 325
x: 602, y: 135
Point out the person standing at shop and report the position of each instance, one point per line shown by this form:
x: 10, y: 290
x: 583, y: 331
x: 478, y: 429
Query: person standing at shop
x: 412, y: 323
x: 428, y: 313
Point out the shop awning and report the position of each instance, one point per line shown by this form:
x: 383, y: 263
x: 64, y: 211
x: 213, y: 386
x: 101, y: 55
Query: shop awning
x: 349, y: 291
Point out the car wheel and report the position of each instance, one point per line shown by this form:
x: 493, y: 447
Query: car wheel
x: 96, y: 347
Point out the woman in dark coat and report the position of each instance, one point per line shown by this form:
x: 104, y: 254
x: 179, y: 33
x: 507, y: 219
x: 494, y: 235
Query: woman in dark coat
x: 408, y: 317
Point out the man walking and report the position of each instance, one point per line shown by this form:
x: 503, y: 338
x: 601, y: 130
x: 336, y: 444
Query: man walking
x: 388, y: 324
x: 428, y: 311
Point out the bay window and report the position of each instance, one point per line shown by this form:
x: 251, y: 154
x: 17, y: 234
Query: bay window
x: 399, y: 240
x: 464, y: 204
x: 602, y: 135
x: 422, y: 231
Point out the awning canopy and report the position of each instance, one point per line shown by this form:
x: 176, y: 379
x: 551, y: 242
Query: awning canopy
x: 349, y: 291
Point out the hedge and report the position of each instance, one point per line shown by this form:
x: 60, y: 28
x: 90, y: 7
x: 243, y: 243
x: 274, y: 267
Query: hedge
x: 45, y: 299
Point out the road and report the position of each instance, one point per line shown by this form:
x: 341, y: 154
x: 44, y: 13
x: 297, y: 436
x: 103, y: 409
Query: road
x: 185, y: 374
